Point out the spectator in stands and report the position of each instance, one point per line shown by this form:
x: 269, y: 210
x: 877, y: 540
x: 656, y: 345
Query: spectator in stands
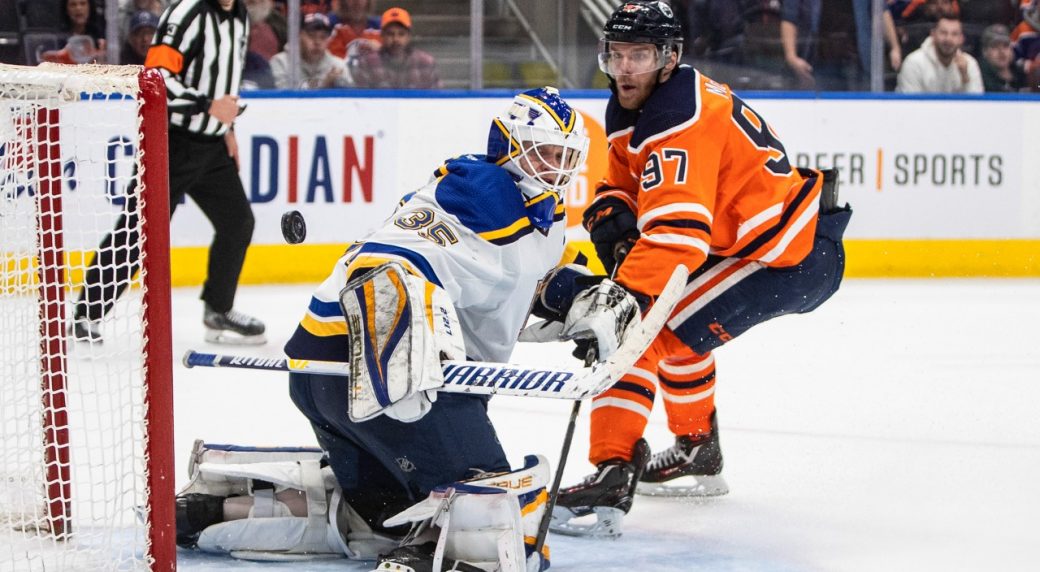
x: 355, y: 31
x: 998, y: 73
x: 713, y: 29
x: 397, y: 64
x: 256, y: 74
x: 313, y: 6
x: 827, y: 44
x: 799, y: 26
x: 141, y: 33
x: 914, y: 19
x: 128, y: 8
x: 267, y: 29
x: 939, y: 65
x: 318, y: 68
x: 864, y: 15
x: 81, y: 18
x: 1025, y: 40
x: 85, y: 27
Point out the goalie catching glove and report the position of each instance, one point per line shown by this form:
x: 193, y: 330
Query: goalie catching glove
x: 600, y: 317
x: 591, y: 310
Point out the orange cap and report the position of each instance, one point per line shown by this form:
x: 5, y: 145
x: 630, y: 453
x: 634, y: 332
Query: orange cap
x: 397, y: 16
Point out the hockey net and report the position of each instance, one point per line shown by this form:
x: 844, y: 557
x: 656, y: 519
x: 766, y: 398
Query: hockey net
x: 85, y: 428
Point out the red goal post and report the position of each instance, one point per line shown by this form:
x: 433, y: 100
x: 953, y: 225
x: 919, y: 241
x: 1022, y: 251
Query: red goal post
x: 86, y: 429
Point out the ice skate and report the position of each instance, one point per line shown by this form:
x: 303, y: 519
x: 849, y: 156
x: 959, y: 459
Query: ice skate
x: 418, y: 558
x: 194, y: 512
x: 232, y: 328
x: 691, y: 467
x: 606, y: 494
x: 84, y: 330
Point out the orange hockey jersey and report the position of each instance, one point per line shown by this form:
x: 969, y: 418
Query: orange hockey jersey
x: 704, y: 174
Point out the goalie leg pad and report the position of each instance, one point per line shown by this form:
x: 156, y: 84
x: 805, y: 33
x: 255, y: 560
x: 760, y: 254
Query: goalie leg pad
x: 323, y: 526
x: 399, y: 326
x: 490, y: 522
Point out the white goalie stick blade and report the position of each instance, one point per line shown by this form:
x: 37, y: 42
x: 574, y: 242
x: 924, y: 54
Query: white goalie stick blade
x: 488, y: 378
x: 689, y: 486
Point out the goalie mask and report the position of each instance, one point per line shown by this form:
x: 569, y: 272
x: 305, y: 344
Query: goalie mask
x: 541, y: 141
x: 640, y: 22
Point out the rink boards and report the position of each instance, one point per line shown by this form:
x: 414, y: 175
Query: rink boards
x: 940, y: 187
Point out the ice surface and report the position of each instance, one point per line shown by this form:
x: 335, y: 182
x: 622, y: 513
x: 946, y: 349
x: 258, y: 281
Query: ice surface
x: 895, y: 428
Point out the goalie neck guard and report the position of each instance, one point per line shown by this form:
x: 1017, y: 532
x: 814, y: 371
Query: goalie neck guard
x: 541, y: 141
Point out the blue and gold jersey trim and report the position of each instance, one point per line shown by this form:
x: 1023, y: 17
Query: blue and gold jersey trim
x: 367, y: 257
x: 519, y: 229
x: 324, y: 319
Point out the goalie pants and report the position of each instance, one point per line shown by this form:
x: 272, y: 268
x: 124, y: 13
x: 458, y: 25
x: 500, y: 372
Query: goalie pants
x: 724, y: 298
x: 200, y: 168
x: 384, y: 465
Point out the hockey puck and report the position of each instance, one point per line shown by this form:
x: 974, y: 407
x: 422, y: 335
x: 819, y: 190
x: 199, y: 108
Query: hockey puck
x: 294, y: 229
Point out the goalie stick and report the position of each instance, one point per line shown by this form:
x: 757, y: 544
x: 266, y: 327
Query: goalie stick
x: 489, y: 378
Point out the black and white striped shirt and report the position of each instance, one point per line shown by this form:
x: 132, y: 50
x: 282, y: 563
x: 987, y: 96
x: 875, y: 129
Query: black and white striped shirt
x: 200, y: 49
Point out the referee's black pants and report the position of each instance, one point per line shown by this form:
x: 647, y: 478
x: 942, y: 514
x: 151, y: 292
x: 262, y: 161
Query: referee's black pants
x: 200, y: 168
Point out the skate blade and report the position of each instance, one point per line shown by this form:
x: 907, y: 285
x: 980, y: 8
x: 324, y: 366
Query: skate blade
x: 607, y: 522
x: 688, y: 486
x: 228, y: 338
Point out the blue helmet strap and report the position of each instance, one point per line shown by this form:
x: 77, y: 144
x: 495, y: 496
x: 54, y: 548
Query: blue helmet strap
x: 541, y: 210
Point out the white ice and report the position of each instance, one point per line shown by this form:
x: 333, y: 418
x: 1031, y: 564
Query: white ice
x: 895, y: 428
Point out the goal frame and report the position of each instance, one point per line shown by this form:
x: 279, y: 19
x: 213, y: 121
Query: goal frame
x: 156, y: 327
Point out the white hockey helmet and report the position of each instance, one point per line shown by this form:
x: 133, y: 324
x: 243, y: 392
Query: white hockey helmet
x: 540, y: 140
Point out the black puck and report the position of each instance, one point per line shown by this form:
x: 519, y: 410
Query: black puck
x: 294, y: 229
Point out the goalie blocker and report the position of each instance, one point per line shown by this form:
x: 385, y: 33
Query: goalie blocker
x: 400, y: 327
x: 283, y: 504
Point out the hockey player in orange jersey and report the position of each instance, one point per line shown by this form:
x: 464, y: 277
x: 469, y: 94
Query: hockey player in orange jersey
x: 697, y: 177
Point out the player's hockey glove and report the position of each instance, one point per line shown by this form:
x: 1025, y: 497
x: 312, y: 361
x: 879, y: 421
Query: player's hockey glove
x: 612, y: 228
x: 601, y: 317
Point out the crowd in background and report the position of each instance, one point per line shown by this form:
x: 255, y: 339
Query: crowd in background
x: 341, y: 44
x: 936, y: 46
x: 931, y: 46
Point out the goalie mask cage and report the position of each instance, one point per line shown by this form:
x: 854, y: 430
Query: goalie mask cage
x: 86, y: 431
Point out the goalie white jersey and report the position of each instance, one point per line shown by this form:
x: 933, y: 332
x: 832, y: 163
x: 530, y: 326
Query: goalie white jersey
x: 470, y: 231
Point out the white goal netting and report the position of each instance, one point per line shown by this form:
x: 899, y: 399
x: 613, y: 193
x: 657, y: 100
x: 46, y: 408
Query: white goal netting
x: 81, y: 422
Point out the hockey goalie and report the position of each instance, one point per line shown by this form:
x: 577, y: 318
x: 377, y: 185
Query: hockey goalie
x: 413, y: 477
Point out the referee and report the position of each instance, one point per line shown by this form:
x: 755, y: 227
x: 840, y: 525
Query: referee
x: 200, y: 49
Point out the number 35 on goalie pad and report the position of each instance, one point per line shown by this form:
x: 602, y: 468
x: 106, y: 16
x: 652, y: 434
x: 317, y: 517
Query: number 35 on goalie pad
x: 400, y: 326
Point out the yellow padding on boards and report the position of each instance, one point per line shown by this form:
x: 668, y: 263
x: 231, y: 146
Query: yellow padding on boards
x: 312, y: 263
x: 942, y: 258
x: 926, y: 258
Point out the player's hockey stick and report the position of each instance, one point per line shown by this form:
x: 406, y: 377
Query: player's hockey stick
x: 488, y: 378
x: 647, y: 330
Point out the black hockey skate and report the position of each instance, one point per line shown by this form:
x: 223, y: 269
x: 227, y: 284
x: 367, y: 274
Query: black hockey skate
x: 83, y: 330
x: 195, y: 512
x: 232, y: 327
x: 607, y: 494
x: 689, y: 468
x: 418, y: 558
